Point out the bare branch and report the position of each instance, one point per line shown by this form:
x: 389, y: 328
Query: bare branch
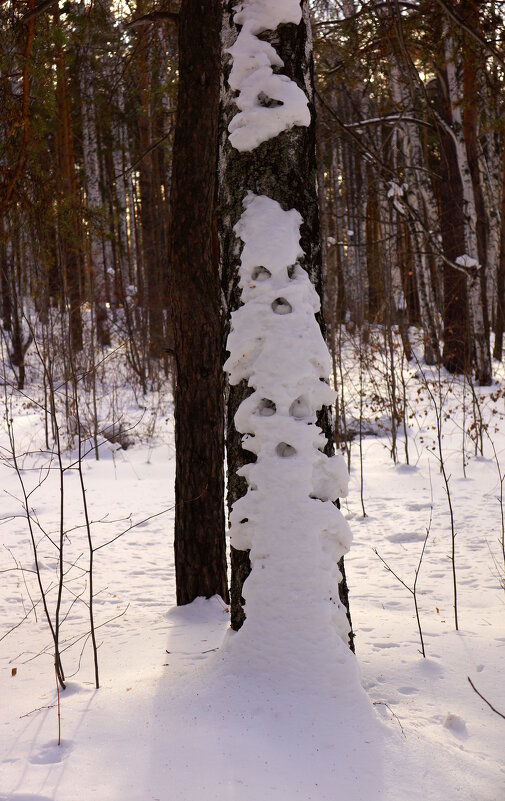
x: 151, y: 19
x: 474, y: 688
x: 449, y: 10
x: 39, y: 9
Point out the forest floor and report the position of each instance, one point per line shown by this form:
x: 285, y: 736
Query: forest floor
x: 168, y: 722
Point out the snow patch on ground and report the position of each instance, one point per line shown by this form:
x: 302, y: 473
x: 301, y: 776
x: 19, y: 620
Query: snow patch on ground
x: 174, y: 718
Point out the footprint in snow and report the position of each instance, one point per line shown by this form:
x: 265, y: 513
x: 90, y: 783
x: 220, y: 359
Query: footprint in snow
x: 386, y: 645
x: 456, y: 725
x: 413, y: 536
x: 24, y: 797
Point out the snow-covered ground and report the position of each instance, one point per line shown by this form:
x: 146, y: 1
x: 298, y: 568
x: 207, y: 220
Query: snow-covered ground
x: 178, y: 715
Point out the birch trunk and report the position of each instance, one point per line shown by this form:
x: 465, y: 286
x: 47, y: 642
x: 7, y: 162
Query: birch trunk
x: 121, y: 165
x: 476, y: 301
x: 421, y: 213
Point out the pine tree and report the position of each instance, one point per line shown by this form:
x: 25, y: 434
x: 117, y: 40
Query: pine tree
x: 200, y: 559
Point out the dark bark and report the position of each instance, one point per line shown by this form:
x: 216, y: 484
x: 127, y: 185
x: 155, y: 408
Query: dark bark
x: 68, y: 223
x: 500, y: 288
x: 153, y: 296
x: 472, y: 65
x: 284, y: 169
x: 456, y: 356
x: 5, y: 293
x: 200, y: 558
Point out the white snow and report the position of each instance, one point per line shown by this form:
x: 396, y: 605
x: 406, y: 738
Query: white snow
x: 467, y: 261
x: 268, y: 101
x: 287, y: 518
x: 179, y: 715
x: 395, y: 194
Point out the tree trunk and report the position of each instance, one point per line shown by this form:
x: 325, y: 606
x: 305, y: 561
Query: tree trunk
x: 464, y: 133
x: 94, y: 199
x: 421, y: 213
x: 68, y: 225
x: 152, y: 290
x: 280, y: 171
x: 456, y: 355
x: 500, y: 282
x: 200, y: 557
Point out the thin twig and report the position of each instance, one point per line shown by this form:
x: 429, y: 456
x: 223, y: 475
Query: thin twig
x: 474, y: 688
x: 383, y: 703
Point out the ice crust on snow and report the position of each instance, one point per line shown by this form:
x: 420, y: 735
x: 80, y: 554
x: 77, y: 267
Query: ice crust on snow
x: 287, y: 519
x: 268, y: 102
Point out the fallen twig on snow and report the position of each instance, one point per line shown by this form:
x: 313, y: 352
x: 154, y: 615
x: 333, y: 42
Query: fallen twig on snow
x: 474, y: 688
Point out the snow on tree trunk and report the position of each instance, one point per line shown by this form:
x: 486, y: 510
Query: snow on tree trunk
x: 287, y: 518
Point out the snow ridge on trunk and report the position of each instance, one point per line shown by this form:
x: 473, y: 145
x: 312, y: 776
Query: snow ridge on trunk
x: 287, y: 519
x: 269, y: 103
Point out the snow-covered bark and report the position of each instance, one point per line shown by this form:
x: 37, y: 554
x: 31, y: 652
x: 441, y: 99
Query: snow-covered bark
x: 268, y: 102
x: 287, y: 518
x: 471, y: 255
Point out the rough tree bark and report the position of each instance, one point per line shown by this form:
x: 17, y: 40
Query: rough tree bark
x: 68, y: 212
x: 151, y: 292
x: 456, y: 355
x: 94, y: 198
x: 500, y: 281
x: 200, y: 558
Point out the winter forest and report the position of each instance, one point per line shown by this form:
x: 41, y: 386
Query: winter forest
x: 252, y: 437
